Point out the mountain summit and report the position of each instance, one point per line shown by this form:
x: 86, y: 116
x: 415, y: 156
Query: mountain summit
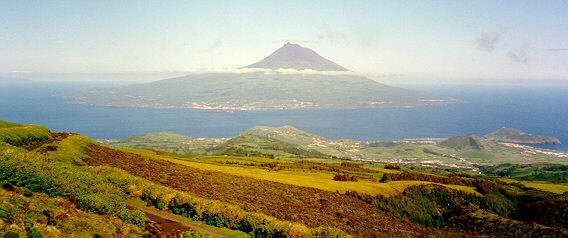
x: 293, y: 56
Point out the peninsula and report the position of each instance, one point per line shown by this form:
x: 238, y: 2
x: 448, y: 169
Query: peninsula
x: 512, y: 135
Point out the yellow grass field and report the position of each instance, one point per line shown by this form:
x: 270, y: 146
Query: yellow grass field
x: 312, y: 178
x: 558, y: 188
x: 551, y: 187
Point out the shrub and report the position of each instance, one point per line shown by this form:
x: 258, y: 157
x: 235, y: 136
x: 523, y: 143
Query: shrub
x: 391, y: 166
x: 345, y: 177
x: 135, y: 217
x: 11, y: 234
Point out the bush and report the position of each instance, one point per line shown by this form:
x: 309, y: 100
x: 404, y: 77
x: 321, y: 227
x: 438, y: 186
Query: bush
x: 345, y: 177
x: 11, y: 234
x: 32, y: 231
x: 391, y: 166
x: 135, y: 217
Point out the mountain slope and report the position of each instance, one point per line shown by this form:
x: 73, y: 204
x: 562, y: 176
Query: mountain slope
x: 293, y: 56
x: 260, y: 90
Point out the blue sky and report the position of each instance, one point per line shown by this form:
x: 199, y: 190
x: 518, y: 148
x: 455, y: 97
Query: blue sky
x: 419, y: 39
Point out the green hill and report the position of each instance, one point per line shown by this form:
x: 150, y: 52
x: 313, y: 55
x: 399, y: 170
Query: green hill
x: 17, y: 134
x: 463, y: 142
x: 71, y: 186
x: 516, y: 136
x: 288, y: 134
x: 254, y: 145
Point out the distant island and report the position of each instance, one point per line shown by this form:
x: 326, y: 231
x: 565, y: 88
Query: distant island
x: 293, y: 77
x: 512, y: 135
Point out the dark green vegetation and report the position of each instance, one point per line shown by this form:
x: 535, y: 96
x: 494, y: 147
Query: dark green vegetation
x: 68, y: 185
x: 556, y: 173
x: 516, y: 136
x: 502, y: 204
x: 35, y: 214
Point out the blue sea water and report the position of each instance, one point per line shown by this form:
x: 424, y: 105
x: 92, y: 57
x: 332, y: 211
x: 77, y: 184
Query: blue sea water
x: 535, y: 109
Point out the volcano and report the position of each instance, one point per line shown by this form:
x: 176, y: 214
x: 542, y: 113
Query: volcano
x: 293, y: 56
x: 315, y: 83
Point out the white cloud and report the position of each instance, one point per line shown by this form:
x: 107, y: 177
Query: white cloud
x: 268, y: 71
x: 296, y: 40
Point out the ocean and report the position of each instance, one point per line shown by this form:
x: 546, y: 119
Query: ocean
x: 539, y: 110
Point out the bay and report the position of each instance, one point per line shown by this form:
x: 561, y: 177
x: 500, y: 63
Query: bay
x: 535, y: 109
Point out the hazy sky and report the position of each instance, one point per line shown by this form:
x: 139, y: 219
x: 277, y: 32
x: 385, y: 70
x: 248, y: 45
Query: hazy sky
x: 448, y: 39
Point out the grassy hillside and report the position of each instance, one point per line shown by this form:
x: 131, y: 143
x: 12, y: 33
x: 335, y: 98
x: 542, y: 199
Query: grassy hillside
x: 59, y: 172
x: 16, y: 134
x: 259, y: 196
x: 5, y: 124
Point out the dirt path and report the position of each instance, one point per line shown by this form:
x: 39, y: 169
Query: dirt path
x: 170, y: 224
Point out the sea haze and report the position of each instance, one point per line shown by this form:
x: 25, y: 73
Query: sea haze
x: 534, y: 109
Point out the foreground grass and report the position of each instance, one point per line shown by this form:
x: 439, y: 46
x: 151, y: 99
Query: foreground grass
x: 35, y: 214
